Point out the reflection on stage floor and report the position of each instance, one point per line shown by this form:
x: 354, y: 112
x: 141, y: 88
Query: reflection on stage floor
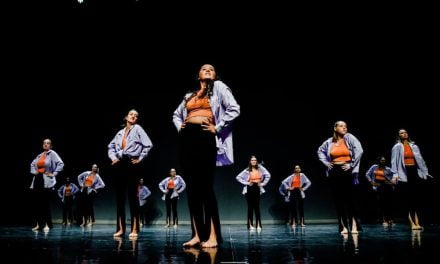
x: 274, y: 244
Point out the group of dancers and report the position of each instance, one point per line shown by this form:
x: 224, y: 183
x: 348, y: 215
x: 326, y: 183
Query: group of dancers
x: 203, y: 120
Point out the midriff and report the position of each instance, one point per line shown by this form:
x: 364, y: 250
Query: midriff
x: 340, y: 162
x: 199, y: 120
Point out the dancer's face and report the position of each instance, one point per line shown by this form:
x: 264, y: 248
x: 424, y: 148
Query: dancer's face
x: 207, y: 72
x: 403, y: 134
x: 341, y: 128
x: 132, y: 117
x: 47, y: 144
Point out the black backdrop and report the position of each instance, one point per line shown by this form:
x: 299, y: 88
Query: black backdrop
x: 72, y: 74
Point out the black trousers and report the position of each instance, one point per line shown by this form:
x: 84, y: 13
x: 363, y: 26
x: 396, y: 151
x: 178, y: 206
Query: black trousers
x: 171, y: 204
x: 384, y: 197
x: 68, y: 209
x: 253, y: 202
x: 198, y: 153
x: 86, y: 201
x: 344, y: 193
x: 143, y: 214
x: 410, y: 192
x: 296, y: 207
x: 42, y: 198
x: 127, y: 181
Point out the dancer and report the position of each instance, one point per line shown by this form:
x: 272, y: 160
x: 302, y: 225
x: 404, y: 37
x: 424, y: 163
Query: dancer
x: 296, y: 184
x: 254, y: 178
x: 126, y: 151
x: 171, y: 187
x: 380, y: 177
x: 45, y: 167
x: 203, y: 120
x: 411, y: 169
x: 89, y: 182
x: 67, y: 194
x: 341, y: 154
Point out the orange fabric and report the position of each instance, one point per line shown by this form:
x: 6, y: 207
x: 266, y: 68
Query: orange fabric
x: 171, y: 184
x: 124, y: 139
x: 89, y: 180
x: 41, y: 162
x: 68, y: 191
x: 408, y: 155
x: 296, y: 183
x: 379, y: 174
x: 340, y: 152
x: 255, y: 176
x: 199, y: 107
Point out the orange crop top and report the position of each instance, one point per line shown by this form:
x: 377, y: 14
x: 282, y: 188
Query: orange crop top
x: 340, y: 152
x: 68, y: 191
x: 197, y: 106
x: 41, y: 162
x: 171, y: 184
x: 255, y: 176
x: 408, y: 155
x: 379, y: 174
x: 89, y: 180
x: 296, y: 183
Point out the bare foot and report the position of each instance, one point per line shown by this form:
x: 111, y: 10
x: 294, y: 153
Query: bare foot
x: 118, y: 234
x: 354, y: 228
x: 344, y: 231
x: 194, y: 252
x: 212, y: 253
x: 211, y: 243
x: 133, y: 234
x: 35, y: 228
x: 303, y: 225
x: 194, y: 241
x: 251, y: 227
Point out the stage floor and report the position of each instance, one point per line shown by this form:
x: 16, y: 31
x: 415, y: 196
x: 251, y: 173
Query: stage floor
x: 274, y: 244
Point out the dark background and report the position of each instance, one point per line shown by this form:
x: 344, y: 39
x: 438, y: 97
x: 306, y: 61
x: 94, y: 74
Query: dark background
x: 71, y: 72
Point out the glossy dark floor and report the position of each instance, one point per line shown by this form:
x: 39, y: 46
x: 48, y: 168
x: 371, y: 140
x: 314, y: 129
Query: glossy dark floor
x: 274, y: 244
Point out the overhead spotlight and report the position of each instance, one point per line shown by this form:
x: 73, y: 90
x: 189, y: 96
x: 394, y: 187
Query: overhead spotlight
x: 80, y: 1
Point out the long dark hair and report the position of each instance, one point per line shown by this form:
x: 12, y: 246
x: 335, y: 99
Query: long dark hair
x: 250, y: 164
x: 207, y: 92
